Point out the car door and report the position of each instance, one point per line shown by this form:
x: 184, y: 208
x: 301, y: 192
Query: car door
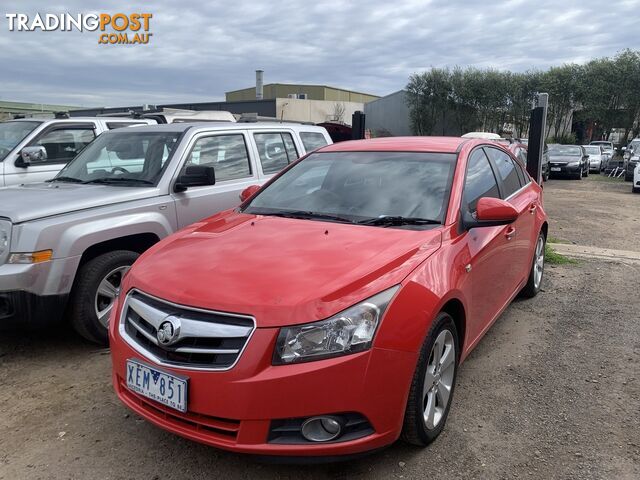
x: 235, y: 170
x: 515, y: 188
x: 486, y: 246
x: 62, y: 141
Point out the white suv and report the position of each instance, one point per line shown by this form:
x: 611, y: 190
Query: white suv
x: 34, y: 150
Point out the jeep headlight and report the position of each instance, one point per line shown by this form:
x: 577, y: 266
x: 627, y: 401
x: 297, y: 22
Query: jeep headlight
x: 349, y: 331
x: 5, y: 239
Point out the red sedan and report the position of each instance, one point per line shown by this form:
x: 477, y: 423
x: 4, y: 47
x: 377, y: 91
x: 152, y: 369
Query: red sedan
x: 329, y: 313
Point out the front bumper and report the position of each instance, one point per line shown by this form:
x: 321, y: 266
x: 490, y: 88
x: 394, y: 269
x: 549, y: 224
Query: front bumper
x: 236, y: 409
x: 35, y: 295
x: 563, y: 169
x: 54, y: 277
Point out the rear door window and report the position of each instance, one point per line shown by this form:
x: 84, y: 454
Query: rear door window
x: 276, y: 150
x: 312, y: 140
x: 506, y: 170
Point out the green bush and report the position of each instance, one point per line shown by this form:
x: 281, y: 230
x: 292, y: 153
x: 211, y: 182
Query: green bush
x: 569, y: 139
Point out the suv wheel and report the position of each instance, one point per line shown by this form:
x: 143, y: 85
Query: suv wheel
x: 433, y: 383
x: 96, y: 287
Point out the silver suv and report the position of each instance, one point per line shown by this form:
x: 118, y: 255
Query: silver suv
x: 65, y: 244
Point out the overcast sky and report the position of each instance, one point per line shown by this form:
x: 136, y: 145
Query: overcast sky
x: 199, y: 50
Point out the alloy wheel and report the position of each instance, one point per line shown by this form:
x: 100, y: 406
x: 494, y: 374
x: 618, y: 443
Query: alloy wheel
x: 538, y: 263
x: 438, y: 380
x: 107, y: 292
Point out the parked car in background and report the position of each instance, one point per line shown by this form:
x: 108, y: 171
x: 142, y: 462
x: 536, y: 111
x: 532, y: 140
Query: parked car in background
x: 34, y: 150
x: 597, y: 157
x: 631, y: 159
x: 636, y: 179
x: 568, y: 161
x: 520, y: 151
x: 67, y: 243
x: 607, y: 147
x: 373, y: 267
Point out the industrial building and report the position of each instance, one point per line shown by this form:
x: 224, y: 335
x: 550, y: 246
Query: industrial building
x: 9, y: 110
x: 285, y: 102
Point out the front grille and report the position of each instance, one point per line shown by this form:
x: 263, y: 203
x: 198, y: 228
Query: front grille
x: 221, y: 428
x: 201, y: 339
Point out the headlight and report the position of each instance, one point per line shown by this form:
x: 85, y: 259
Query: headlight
x: 5, y: 237
x: 573, y: 164
x: 347, y: 332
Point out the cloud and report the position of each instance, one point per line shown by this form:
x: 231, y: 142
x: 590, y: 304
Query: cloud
x: 200, y: 50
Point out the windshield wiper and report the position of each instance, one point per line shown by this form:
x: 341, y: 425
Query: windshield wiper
x: 116, y: 180
x: 393, y: 220
x: 306, y: 214
x: 65, y: 179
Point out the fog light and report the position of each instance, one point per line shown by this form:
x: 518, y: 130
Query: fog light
x: 321, y: 429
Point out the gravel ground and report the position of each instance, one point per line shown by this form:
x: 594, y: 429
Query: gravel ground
x: 551, y: 392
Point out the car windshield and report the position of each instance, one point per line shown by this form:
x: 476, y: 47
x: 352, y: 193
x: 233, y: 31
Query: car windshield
x: 604, y: 145
x: 374, y: 188
x: 12, y: 133
x: 568, y: 150
x: 127, y: 158
x: 592, y: 150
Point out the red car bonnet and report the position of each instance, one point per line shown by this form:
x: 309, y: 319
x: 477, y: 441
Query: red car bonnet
x: 283, y: 271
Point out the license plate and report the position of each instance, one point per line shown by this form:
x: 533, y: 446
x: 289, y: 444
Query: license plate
x: 555, y: 169
x: 165, y: 388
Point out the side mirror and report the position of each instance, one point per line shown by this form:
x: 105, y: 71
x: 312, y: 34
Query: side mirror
x: 29, y: 155
x: 249, y: 192
x: 195, y: 176
x: 490, y: 212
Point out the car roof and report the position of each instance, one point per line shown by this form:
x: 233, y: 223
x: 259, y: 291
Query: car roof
x: 75, y: 119
x: 400, y: 144
x: 225, y: 126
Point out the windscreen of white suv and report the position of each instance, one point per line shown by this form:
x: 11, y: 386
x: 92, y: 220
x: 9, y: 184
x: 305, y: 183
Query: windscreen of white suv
x: 12, y: 133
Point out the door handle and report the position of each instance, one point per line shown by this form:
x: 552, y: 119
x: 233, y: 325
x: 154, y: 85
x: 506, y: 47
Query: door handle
x: 533, y: 208
x: 510, y: 233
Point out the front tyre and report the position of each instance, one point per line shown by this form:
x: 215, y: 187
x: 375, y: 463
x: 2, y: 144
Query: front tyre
x: 96, y: 287
x: 534, y: 283
x: 433, y: 383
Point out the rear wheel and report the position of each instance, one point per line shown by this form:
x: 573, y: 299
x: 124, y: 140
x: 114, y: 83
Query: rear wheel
x: 534, y: 282
x: 433, y: 383
x: 96, y: 287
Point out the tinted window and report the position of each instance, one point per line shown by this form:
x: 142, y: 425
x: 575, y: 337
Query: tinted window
x: 63, y: 144
x: 227, y: 154
x: 362, y: 186
x: 570, y: 150
x: 506, y: 171
x: 312, y: 140
x: 276, y: 150
x: 480, y: 180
